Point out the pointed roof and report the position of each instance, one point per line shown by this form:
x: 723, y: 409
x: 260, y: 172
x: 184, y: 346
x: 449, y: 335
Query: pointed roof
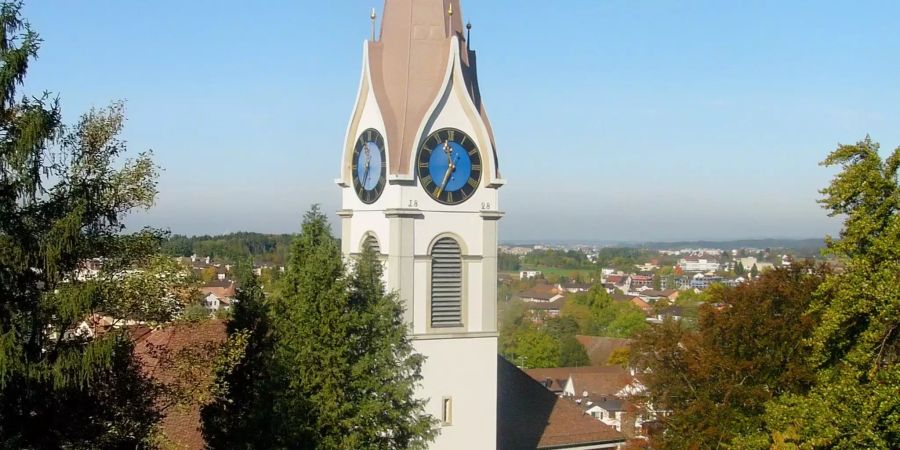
x: 407, y: 66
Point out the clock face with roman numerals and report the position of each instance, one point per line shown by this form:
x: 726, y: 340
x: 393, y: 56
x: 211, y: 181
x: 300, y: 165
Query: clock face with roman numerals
x: 449, y: 166
x: 369, y: 166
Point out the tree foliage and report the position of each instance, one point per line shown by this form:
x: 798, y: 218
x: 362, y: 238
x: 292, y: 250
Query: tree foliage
x: 63, y: 195
x: 599, y: 315
x: 716, y: 379
x: 240, y: 415
x: 233, y: 247
x: 855, y: 348
x: 327, y: 361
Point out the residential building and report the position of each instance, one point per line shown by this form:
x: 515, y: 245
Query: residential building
x: 637, y: 281
x: 527, y: 274
x: 541, y: 293
x: 573, y: 287
x: 703, y: 281
x: 694, y: 263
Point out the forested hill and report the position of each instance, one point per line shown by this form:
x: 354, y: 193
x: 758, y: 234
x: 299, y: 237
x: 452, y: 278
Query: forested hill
x: 229, y: 248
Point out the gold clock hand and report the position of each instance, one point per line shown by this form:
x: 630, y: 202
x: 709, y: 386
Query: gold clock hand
x: 450, y: 168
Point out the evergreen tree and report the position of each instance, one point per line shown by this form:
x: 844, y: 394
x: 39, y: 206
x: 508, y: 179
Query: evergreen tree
x: 739, y: 269
x: 345, y: 367
x: 63, y: 195
x: 754, y: 271
x: 572, y: 353
x: 240, y: 414
x: 856, y: 346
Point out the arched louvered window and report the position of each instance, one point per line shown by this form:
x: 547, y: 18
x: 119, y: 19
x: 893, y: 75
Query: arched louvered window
x: 446, y: 284
x: 372, y: 242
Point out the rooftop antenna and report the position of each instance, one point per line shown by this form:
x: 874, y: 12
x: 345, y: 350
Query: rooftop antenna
x: 468, y: 35
x: 373, y: 16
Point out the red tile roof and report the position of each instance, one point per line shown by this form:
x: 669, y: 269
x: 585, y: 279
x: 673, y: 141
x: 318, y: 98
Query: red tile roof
x: 599, y: 348
x: 180, y: 426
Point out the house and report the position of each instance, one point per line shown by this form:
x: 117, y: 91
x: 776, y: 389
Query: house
x: 573, y: 287
x: 637, y: 281
x: 600, y: 348
x: 543, y: 293
x: 653, y: 294
x: 616, y: 279
x: 610, y: 381
x: 607, y: 409
x: 221, y: 288
x: 530, y: 416
x: 554, y: 379
x: 703, y: 281
x: 213, y: 302
x: 670, y: 312
x: 542, y: 310
x: 640, y: 303
x: 647, y: 267
x: 528, y: 274
x: 701, y: 263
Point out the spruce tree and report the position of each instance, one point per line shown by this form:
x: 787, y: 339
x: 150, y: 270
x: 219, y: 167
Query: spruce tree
x: 344, y: 367
x: 385, y: 369
x: 63, y: 194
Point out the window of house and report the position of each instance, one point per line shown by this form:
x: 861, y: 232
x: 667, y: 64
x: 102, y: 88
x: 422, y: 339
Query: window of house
x: 446, y: 284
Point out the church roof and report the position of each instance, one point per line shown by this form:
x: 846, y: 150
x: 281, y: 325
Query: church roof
x: 407, y: 65
x: 529, y: 416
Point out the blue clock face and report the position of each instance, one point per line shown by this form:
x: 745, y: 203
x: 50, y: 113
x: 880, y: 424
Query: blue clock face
x: 449, y: 166
x: 369, y: 166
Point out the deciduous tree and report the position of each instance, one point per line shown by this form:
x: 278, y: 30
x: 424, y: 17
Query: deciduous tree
x: 855, y: 348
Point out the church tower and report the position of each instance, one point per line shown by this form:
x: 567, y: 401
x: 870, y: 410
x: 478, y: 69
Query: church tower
x: 419, y: 182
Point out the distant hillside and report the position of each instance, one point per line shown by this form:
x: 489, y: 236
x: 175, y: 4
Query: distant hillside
x: 230, y: 248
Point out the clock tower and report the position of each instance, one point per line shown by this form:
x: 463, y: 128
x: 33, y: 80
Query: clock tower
x: 419, y: 183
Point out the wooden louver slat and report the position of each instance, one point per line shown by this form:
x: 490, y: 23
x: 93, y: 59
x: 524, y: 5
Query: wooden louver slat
x: 446, y: 284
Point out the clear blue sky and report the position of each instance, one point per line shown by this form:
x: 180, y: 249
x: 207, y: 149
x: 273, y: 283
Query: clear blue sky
x: 615, y: 120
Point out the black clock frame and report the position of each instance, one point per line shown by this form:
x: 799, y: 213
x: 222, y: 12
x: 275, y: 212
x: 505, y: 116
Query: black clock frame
x: 429, y: 185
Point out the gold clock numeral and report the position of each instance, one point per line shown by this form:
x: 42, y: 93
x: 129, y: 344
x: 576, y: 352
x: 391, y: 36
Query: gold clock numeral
x: 369, y: 135
x: 473, y: 151
x: 451, y: 134
x: 463, y: 141
x: 476, y: 167
x: 473, y: 183
x: 450, y: 197
x: 426, y: 180
x: 423, y: 165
